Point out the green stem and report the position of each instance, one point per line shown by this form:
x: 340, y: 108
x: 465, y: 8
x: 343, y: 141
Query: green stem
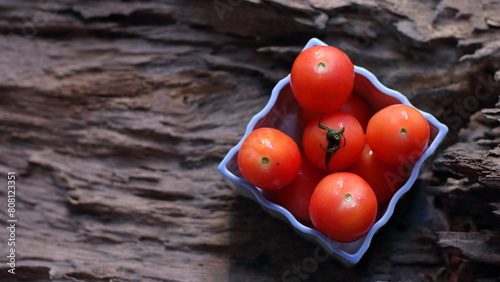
x: 334, y: 137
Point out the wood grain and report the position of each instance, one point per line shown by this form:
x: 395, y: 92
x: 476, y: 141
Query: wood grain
x: 115, y: 114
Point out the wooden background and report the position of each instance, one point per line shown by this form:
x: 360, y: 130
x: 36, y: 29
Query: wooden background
x: 115, y: 114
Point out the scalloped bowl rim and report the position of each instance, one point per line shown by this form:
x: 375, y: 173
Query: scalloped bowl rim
x: 311, y: 233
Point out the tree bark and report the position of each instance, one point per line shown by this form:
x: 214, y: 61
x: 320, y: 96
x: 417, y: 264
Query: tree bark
x: 115, y: 114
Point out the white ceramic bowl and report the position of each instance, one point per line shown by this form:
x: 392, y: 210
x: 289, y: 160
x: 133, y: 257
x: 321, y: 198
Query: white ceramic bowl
x: 281, y: 112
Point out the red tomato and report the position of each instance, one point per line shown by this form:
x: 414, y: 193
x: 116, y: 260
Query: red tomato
x: 337, y: 148
x: 269, y: 159
x: 355, y: 106
x: 398, y: 134
x: 306, y: 116
x: 384, y: 179
x: 343, y: 207
x: 295, y: 196
x: 358, y: 108
x: 322, y: 78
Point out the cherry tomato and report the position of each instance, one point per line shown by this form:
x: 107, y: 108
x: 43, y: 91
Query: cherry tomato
x: 306, y: 116
x: 322, y: 78
x: 343, y: 207
x: 355, y: 106
x: 295, y: 196
x: 384, y: 179
x: 269, y: 159
x: 333, y: 141
x: 398, y: 134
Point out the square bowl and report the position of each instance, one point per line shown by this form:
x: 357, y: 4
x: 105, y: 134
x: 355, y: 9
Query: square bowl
x: 282, y: 112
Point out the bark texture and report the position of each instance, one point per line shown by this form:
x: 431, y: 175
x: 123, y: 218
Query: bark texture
x: 115, y: 114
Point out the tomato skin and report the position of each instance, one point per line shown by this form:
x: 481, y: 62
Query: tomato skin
x: 306, y: 116
x: 341, y: 217
x: 398, y: 134
x: 355, y: 106
x: 384, y: 179
x: 269, y: 159
x: 322, y: 78
x: 295, y: 197
x: 351, y: 146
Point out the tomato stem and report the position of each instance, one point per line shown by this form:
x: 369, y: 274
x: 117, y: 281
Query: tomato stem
x: 403, y: 131
x: 347, y: 197
x: 265, y: 161
x: 334, y: 137
x: 321, y: 66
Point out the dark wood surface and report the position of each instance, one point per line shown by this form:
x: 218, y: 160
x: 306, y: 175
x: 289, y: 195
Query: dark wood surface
x: 115, y: 114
